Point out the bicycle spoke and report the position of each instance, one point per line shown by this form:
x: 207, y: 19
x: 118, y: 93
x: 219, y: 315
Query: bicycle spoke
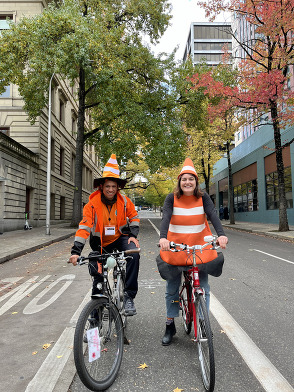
x: 99, y: 374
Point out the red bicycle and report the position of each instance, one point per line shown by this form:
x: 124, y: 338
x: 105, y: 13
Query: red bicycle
x: 194, y: 310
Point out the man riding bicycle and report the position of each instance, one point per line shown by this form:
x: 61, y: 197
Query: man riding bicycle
x: 111, y: 221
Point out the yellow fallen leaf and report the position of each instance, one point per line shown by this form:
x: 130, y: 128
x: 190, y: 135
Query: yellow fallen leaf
x: 152, y: 292
x: 14, y: 312
x: 34, y: 353
x: 59, y: 356
x: 177, y: 390
x: 143, y: 366
x: 45, y: 346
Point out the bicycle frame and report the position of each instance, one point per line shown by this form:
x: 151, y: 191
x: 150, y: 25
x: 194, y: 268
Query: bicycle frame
x: 191, y: 277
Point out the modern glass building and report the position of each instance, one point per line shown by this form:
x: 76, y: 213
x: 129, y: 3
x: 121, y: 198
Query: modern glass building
x: 206, y: 41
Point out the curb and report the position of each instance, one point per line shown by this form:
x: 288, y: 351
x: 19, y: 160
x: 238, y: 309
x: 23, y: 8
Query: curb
x: 34, y: 248
x: 264, y: 233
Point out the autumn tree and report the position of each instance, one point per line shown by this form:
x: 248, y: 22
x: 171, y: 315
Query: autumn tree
x: 204, y: 141
x: 265, y: 70
x: 97, y: 45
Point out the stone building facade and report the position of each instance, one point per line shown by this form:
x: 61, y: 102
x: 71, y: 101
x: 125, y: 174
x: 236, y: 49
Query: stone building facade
x: 24, y: 148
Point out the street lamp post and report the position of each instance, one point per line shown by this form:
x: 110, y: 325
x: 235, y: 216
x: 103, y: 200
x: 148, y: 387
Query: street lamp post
x: 48, y: 194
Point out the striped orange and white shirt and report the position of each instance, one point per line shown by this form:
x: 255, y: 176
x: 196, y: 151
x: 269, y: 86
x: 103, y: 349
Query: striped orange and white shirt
x: 188, y: 225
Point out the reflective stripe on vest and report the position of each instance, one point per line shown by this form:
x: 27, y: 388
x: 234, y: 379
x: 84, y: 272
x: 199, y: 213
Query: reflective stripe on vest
x: 188, y: 225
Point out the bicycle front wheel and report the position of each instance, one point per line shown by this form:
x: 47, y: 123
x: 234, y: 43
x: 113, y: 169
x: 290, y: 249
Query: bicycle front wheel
x: 120, y: 289
x: 98, y: 361
x: 203, y: 337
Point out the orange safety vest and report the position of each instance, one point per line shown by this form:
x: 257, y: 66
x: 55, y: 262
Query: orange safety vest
x: 92, y: 221
x: 188, y: 225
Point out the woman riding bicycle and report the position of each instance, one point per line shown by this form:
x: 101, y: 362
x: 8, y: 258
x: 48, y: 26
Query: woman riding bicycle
x: 184, y: 221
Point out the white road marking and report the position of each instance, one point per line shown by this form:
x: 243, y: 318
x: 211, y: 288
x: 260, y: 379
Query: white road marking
x: 34, y: 307
x: 276, y: 257
x: 10, y: 282
x: 51, y: 369
x: 156, y: 229
x: 266, y: 373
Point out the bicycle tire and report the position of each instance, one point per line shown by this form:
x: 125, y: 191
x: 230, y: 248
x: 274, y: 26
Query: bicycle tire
x: 120, y: 286
x: 185, y: 298
x: 99, y: 374
x: 204, y: 341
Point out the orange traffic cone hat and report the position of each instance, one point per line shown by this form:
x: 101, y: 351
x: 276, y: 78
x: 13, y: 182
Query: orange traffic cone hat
x: 110, y: 171
x: 188, y: 168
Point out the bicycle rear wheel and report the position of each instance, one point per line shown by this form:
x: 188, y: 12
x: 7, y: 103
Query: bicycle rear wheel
x: 203, y: 336
x: 99, y: 374
x: 185, y: 299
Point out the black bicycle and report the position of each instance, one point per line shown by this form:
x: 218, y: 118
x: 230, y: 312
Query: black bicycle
x: 100, y: 330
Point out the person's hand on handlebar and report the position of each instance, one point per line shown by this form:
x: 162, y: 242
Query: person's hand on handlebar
x: 222, y: 241
x: 73, y: 259
x: 164, y: 244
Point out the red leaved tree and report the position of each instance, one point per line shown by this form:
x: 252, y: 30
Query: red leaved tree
x: 264, y: 70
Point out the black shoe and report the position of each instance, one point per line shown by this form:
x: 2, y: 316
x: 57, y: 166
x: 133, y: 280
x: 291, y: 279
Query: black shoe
x: 170, y: 331
x: 129, y: 306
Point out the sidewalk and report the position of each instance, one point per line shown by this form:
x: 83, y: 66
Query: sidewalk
x: 19, y: 242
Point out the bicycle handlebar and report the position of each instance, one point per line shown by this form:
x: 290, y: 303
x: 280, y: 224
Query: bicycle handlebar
x: 101, y: 257
x: 209, y: 239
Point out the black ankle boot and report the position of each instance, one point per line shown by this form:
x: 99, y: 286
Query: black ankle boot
x: 170, y: 331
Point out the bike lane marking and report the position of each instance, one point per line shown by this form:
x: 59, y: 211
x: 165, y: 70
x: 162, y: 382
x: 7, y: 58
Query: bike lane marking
x: 51, y: 369
x: 276, y: 257
x: 266, y: 373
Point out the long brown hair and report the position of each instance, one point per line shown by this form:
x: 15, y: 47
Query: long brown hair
x: 197, y: 191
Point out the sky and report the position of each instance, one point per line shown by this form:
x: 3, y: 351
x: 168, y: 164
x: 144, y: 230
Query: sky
x: 184, y: 13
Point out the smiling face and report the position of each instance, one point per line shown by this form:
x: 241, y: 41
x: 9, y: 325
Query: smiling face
x: 188, y: 184
x: 109, y: 189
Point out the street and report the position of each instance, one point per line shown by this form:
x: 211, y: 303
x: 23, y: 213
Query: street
x: 251, y: 316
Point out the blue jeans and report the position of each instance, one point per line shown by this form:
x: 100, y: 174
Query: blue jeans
x: 172, y: 293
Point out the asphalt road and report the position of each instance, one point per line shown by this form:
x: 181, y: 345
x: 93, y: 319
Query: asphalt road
x: 40, y: 295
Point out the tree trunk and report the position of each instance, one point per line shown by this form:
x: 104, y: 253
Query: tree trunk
x: 78, y: 189
x: 283, y: 218
x: 231, y: 188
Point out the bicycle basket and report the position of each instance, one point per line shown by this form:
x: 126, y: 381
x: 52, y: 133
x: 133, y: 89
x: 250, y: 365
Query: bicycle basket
x: 213, y: 267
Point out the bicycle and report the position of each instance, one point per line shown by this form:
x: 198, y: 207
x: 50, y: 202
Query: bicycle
x: 194, y: 310
x: 100, y: 330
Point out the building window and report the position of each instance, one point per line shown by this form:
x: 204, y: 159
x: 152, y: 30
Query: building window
x: 61, y: 111
x: 5, y: 130
x: 72, y: 168
x: 272, y: 190
x: 61, y: 161
x: 4, y: 22
x: 73, y: 126
x: 245, y: 197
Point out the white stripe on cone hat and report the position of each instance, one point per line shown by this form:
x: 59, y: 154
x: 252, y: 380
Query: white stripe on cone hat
x: 110, y: 171
x: 188, y: 168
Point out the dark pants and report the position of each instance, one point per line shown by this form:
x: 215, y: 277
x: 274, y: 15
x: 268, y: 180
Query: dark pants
x: 132, y: 272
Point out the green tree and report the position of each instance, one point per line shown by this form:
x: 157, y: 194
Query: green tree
x: 97, y: 45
